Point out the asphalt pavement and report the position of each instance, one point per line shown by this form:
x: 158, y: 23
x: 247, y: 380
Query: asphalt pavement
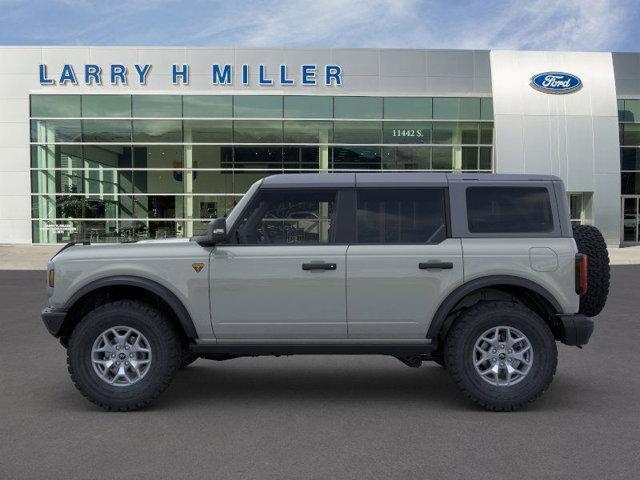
x: 320, y: 417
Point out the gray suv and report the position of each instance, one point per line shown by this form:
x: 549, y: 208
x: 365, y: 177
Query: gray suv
x: 479, y: 273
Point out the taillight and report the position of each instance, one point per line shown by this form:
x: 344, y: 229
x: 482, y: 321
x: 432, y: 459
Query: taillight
x: 582, y: 265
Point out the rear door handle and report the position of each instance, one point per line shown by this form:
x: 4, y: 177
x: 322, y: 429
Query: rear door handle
x: 319, y: 266
x: 435, y: 265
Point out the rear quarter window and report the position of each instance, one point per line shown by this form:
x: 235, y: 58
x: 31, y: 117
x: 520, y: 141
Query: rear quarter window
x: 509, y: 210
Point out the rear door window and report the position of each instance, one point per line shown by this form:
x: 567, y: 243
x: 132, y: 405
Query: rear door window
x: 509, y: 210
x: 400, y: 216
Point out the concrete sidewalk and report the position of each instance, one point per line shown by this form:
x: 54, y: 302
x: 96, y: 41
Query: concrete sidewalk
x: 35, y: 257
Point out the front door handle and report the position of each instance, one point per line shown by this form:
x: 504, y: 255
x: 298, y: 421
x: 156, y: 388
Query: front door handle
x: 435, y: 265
x: 319, y: 266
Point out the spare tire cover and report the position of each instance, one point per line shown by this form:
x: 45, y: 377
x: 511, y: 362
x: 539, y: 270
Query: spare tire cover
x: 591, y: 242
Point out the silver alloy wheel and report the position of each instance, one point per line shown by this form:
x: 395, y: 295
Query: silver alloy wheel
x: 503, y: 356
x: 121, y: 356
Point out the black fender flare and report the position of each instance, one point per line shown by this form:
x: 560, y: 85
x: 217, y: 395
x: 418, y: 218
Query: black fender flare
x: 152, y: 286
x: 465, y: 289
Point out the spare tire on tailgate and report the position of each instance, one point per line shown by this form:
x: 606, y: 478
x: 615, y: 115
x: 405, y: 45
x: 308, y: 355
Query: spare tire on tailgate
x: 591, y: 242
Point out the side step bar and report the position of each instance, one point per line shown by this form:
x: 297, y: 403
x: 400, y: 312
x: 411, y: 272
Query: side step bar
x: 261, y: 349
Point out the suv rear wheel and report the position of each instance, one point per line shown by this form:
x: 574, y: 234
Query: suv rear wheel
x: 501, y: 354
x: 123, y: 354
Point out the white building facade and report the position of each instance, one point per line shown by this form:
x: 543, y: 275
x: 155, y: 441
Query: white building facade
x: 117, y: 144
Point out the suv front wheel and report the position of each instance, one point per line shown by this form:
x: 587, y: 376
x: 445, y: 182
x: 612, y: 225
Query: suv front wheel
x: 501, y: 354
x: 123, y: 354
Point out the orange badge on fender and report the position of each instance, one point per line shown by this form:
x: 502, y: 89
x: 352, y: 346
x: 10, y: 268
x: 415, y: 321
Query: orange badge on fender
x: 197, y: 267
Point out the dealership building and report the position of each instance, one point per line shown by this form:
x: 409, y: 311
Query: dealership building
x: 121, y: 143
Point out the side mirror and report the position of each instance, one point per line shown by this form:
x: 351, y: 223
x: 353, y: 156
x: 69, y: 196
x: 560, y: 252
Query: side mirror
x: 218, y: 230
x: 216, y: 233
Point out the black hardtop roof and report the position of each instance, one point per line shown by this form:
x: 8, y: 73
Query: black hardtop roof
x: 394, y: 179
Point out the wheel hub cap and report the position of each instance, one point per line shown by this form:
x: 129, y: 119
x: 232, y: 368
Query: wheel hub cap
x: 121, y: 356
x: 502, y: 356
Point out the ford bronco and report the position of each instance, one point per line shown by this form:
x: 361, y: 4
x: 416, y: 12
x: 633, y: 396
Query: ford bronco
x: 482, y: 274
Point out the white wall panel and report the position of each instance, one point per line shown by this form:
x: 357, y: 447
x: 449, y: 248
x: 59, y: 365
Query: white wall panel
x: 575, y: 129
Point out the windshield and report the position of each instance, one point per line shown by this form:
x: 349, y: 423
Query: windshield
x: 235, y: 211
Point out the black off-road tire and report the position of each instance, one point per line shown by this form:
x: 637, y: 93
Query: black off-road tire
x: 460, y: 344
x: 590, y: 242
x: 163, y: 340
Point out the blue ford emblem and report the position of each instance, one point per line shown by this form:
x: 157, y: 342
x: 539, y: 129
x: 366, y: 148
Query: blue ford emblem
x: 556, y: 82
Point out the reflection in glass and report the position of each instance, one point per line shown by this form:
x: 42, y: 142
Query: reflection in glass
x: 109, y: 131
x: 356, y: 158
x: 406, y: 158
x: 167, y: 106
x: 207, y: 131
x: 257, y: 106
x: 357, y: 107
x: 49, y: 131
x: 303, y: 106
x: 55, y: 105
x: 308, y: 131
x: 357, y: 132
x: 105, y: 106
x: 147, y: 131
x: 408, y: 107
x: 210, y: 106
x: 257, y: 131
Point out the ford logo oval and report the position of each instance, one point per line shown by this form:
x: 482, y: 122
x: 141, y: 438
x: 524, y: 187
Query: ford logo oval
x: 556, y: 82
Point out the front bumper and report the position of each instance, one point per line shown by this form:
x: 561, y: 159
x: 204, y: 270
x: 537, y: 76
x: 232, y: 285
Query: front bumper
x: 54, y: 320
x: 575, y: 330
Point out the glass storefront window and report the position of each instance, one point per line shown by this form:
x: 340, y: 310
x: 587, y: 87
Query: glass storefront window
x: 218, y: 181
x: 209, y: 106
x: 357, y: 132
x: 357, y: 158
x: 257, y: 131
x: 298, y: 106
x: 300, y: 159
x: 108, y: 131
x: 212, y: 206
x: 357, y: 107
x: 442, y: 158
x: 456, y: 108
x: 630, y: 183
x: 408, y: 107
x: 630, y: 110
x: 468, y: 133
x: 257, y: 106
x: 108, y: 156
x: 56, y: 156
x: 299, y: 131
x: 145, y: 131
x: 486, y: 161
x: 486, y: 108
x: 469, y: 159
x: 257, y: 157
x: 407, y: 132
x: 630, y: 158
x: 149, y: 106
x: 55, y: 105
x: 486, y: 133
x: 105, y: 106
x: 49, y: 131
x: 406, y: 158
x: 444, y: 132
x: 630, y: 134
x: 159, y: 165
x: 207, y: 131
